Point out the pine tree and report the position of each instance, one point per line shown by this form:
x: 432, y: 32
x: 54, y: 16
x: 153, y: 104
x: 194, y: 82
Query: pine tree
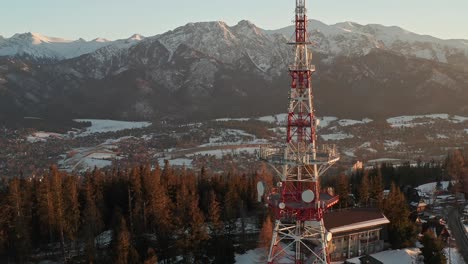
x: 402, y: 231
x: 377, y: 189
x: 158, y: 211
x: 46, y: 206
x: 59, y: 207
x: 214, y: 215
x: 364, y: 189
x: 192, y: 229
x: 91, y: 221
x: 125, y: 252
x: 266, y: 233
x: 135, y: 201
x: 231, y: 205
x: 71, y: 204
x: 19, y: 222
x: 432, y: 249
x: 123, y: 243
x: 151, y: 257
x: 455, y: 163
x: 342, y: 189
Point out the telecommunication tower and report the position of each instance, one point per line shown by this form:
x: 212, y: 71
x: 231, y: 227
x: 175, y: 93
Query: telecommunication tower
x: 299, y: 235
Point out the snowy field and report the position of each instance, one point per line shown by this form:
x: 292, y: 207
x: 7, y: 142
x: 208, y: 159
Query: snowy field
x: 392, y: 143
x: 455, y: 257
x: 43, y: 136
x: 103, y: 125
x: 99, y: 156
x: 401, y: 256
x: 336, y: 136
x: 97, y: 126
x: 252, y: 256
x: 176, y: 162
x: 381, y: 160
x: 281, y: 119
x: 430, y: 187
x: 219, y: 153
x: 409, y: 121
x: 232, y: 119
x: 351, y: 122
x: 233, y: 137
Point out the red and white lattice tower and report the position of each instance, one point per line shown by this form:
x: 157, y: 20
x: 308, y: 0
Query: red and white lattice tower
x: 299, y: 235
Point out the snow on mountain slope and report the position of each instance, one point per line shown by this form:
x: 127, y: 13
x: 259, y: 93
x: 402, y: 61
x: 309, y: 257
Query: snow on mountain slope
x: 349, y: 38
x: 224, y: 43
x: 39, y: 46
x: 263, y: 47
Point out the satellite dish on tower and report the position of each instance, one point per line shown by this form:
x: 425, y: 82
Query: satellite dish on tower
x: 282, y: 206
x: 317, y: 122
x: 329, y: 236
x: 308, y: 196
x: 260, y: 190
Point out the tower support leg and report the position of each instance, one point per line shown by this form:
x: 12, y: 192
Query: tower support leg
x: 300, y: 242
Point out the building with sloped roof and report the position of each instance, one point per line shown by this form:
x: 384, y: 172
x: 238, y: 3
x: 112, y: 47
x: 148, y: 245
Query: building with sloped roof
x: 356, y: 232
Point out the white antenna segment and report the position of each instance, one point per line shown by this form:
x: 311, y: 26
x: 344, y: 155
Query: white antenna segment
x: 260, y: 190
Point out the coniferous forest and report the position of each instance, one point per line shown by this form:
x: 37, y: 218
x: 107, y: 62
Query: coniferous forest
x: 146, y: 214
x: 135, y: 215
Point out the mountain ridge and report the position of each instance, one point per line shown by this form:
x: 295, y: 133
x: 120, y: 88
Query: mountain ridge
x: 386, y: 35
x: 209, y: 69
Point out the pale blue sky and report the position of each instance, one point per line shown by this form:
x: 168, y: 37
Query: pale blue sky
x: 115, y: 19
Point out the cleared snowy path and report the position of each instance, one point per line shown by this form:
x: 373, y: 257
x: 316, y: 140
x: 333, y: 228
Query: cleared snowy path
x: 458, y: 232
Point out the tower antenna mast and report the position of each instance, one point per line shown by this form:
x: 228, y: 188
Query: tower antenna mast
x: 299, y: 233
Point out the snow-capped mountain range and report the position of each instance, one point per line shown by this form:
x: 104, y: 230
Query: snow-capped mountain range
x: 37, y: 46
x: 211, y: 69
x: 350, y: 38
x: 346, y: 38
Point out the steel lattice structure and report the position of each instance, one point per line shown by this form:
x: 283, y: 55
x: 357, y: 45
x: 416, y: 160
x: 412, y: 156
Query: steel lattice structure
x: 299, y: 235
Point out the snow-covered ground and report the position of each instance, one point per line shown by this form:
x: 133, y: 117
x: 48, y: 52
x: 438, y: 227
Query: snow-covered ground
x: 392, y: 143
x: 43, y: 136
x: 278, y: 119
x: 430, y: 187
x: 409, y: 121
x: 381, y: 160
x: 351, y: 122
x: 325, y: 121
x: 252, y: 256
x: 232, y: 119
x: 233, y: 137
x: 104, y: 125
x: 281, y: 119
x: 97, y: 126
x: 219, y: 153
x: 176, y: 162
x: 336, y: 136
x: 349, y: 153
x: 401, y: 256
x: 259, y: 255
x: 455, y: 257
x: 99, y: 156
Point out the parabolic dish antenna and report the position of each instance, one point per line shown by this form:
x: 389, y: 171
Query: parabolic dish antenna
x: 308, y: 196
x: 282, y: 206
x: 329, y: 236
